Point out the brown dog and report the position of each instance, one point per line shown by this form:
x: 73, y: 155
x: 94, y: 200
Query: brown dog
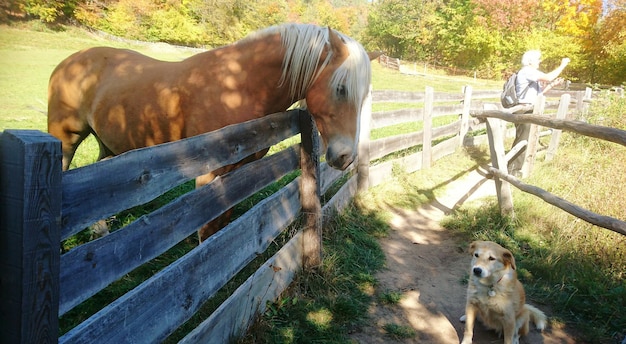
x: 496, y: 296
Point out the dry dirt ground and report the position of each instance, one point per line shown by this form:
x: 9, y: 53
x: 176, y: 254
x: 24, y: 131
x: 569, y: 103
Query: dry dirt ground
x: 426, y: 264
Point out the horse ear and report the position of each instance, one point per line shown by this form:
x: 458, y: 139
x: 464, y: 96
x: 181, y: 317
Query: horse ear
x: 337, y: 44
x: 509, y: 259
x: 374, y: 54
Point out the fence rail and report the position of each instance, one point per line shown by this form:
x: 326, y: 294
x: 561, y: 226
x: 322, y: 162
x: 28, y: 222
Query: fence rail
x: 41, y: 206
x: 496, y: 120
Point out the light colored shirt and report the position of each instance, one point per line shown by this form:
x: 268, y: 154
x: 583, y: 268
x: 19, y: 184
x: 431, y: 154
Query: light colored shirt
x: 527, y: 85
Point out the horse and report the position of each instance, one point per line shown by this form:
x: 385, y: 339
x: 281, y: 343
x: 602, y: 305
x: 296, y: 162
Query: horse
x: 128, y: 100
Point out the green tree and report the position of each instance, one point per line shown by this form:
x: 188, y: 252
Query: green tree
x: 49, y: 10
x: 404, y: 28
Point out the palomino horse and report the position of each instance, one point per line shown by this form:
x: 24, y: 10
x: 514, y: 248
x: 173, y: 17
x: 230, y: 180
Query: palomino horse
x: 128, y: 100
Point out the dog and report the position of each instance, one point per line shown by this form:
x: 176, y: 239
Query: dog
x: 496, y: 296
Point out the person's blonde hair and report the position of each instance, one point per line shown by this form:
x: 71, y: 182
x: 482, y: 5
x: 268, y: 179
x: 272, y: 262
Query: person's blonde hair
x: 530, y: 57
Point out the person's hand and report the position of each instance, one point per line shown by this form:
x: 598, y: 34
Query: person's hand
x: 565, y: 61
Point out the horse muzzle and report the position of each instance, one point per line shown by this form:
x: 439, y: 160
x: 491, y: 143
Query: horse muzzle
x: 340, y: 154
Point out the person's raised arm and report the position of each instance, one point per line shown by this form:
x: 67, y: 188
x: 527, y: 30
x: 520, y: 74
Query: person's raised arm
x: 549, y: 77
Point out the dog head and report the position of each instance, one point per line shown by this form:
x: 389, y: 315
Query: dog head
x: 490, y: 260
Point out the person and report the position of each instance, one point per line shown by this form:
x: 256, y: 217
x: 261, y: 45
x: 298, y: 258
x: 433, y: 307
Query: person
x: 529, y: 84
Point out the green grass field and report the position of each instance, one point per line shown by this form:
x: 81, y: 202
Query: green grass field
x: 577, y: 269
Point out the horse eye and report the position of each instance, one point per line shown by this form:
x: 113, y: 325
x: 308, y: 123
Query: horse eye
x: 341, y: 91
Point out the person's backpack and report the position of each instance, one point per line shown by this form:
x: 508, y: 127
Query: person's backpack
x: 508, y: 97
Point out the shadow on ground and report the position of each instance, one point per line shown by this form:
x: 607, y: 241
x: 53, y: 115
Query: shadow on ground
x: 427, y: 265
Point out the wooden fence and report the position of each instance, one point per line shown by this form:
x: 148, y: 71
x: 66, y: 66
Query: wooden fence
x: 41, y: 206
x: 496, y: 122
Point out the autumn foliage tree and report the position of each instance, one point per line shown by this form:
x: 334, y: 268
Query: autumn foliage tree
x: 486, y: 37
x: 489, y: 36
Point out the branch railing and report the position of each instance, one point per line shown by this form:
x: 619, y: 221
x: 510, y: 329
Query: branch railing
x: 496, y: 122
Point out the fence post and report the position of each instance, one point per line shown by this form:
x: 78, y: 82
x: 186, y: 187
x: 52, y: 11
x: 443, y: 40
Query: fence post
x: 30, y: 236
x: 310, y: 193
x: 533, y: 138
x: 465, y: 115
x: 363, y: 162
x: 582, y: 103
x: 561, y: 113
x: 495, y: 135
x: 428, y: 127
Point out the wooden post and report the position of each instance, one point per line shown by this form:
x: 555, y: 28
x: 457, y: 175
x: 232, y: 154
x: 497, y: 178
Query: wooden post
x: 428, y: 127
x: 363, y: 163
x: 561, y: 113
x: 580, y: 98
x: 310, y: 193
x: 586, y: 102
x: 498, y: 161
x: 465, y: 115
x: 533, y: 138
x: 30, y: 236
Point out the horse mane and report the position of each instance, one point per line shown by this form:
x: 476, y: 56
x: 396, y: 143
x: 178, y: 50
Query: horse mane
x: 304, y: 45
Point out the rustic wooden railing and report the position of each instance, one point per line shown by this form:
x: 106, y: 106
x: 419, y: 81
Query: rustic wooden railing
x: 496, y: 120
x: 41, y: 206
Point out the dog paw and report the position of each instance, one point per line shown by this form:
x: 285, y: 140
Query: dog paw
x: 466, y: 341
x: 462, y: 319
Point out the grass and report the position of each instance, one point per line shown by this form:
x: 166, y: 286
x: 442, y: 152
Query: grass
x: 399, y: 332
x: 575, y: 268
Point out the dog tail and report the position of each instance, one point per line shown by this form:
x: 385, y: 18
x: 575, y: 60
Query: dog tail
x: 537, y: 317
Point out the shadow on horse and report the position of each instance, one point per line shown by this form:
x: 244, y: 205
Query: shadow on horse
x: 128, y: 100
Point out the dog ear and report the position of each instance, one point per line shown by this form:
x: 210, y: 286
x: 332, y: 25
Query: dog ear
x: 508, y: 259
x: 472, y: 247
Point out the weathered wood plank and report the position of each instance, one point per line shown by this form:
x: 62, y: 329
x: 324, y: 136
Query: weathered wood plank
x: 382, y: 147
x: 137, y: 177
x: 495, y: 129
x: 446, y: 130
x: 235, y: 315
x: 444, y: 148
x: 428, y: 126
x: 30, y: 193
x: 556, y: 134
x: 341, y: 198
x: 465, y: 114
x: 105, y: 260
x: 363, y: 157
x: 153, y: 310
x: 379, y: 96
x: 310, y: 194
x: 381, y: 119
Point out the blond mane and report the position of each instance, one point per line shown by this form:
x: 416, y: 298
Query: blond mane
x: 304, y: 45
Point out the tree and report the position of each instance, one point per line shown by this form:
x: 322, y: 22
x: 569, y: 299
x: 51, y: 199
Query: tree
x: 49, y: 10
x: 404, y: 28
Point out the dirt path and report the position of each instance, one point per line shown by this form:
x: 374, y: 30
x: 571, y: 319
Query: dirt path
x: 425, y: 263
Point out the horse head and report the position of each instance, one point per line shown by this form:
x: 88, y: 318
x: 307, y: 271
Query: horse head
x: 336, y: 96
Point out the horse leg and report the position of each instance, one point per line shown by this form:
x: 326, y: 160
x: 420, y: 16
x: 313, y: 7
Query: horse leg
x: 105, y: 152
x: 222, y: 220
x: 71, y: 133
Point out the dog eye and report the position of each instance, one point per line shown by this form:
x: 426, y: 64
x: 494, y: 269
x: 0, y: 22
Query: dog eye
x: 476, y: 255
x: 492, y: 258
